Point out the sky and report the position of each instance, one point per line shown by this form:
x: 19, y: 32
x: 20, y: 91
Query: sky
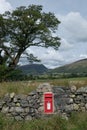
x: 72, y: 30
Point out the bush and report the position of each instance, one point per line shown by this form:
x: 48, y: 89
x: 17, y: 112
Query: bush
x: 8, y: 74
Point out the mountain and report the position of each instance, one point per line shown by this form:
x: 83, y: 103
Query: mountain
x: 75, y: 67
x: 79, y: 68
x: 33, y: 69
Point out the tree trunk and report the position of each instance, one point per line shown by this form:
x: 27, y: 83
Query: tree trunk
x: 15, y: 61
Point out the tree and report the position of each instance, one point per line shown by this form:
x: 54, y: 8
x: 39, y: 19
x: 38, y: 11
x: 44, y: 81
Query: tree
x: 32, y: 58
x: 25, y: 27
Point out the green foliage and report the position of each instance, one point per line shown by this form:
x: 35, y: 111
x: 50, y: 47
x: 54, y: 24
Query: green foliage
x: 32, y: 58
x: 3, y: 72
x: 25, y: 27
x: 8, y: 74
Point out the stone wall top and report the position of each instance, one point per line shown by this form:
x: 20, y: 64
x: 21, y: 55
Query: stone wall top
x: 31, y: 106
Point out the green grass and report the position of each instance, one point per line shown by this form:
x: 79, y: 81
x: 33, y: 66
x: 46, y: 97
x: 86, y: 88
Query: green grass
x: 25, y: 87
x: 77, y: 121
x: 17, y: 87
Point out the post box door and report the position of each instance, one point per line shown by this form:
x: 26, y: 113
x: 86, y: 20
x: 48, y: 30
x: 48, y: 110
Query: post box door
x: 48, y: 103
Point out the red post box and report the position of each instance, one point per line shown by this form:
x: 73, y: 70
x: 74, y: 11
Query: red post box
x: 48, y: 103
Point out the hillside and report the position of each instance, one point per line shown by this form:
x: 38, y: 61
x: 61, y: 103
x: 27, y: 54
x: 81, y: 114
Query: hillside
x: 76, y: 67
x: 33, y: 69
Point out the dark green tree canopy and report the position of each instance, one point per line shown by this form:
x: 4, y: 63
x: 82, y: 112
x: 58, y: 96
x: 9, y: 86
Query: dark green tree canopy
x: 25, y: 27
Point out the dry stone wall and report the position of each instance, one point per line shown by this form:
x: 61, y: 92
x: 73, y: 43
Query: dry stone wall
x: 31, y: 106
x: 68, y: 100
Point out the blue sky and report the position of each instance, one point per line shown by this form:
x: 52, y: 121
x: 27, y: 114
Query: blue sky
x: 72, y: 30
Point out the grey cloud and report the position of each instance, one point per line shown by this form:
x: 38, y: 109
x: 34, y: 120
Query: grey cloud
x: 52, y: 63
x: 74, y: 27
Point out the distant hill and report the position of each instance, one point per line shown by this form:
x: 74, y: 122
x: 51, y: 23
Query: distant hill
x: 76, y: 67
x: 79, y: 68
x: 33, y: 69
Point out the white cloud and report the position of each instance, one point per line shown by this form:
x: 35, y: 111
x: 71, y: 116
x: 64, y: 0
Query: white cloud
x: 4, y: 6
x: 83, y: 56
x: 74, y: 27
x: 65, y: 45
x: 49, y: 57
x: 51, y: 54
x: 73, y: 33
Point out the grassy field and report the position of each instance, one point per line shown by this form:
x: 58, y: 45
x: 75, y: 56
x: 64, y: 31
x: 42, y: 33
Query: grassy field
x: 27, y: 86
x: 75, y: 122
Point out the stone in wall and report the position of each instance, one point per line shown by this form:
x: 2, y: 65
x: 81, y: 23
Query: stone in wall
x: 31, y: 106
x: 42, y: 88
